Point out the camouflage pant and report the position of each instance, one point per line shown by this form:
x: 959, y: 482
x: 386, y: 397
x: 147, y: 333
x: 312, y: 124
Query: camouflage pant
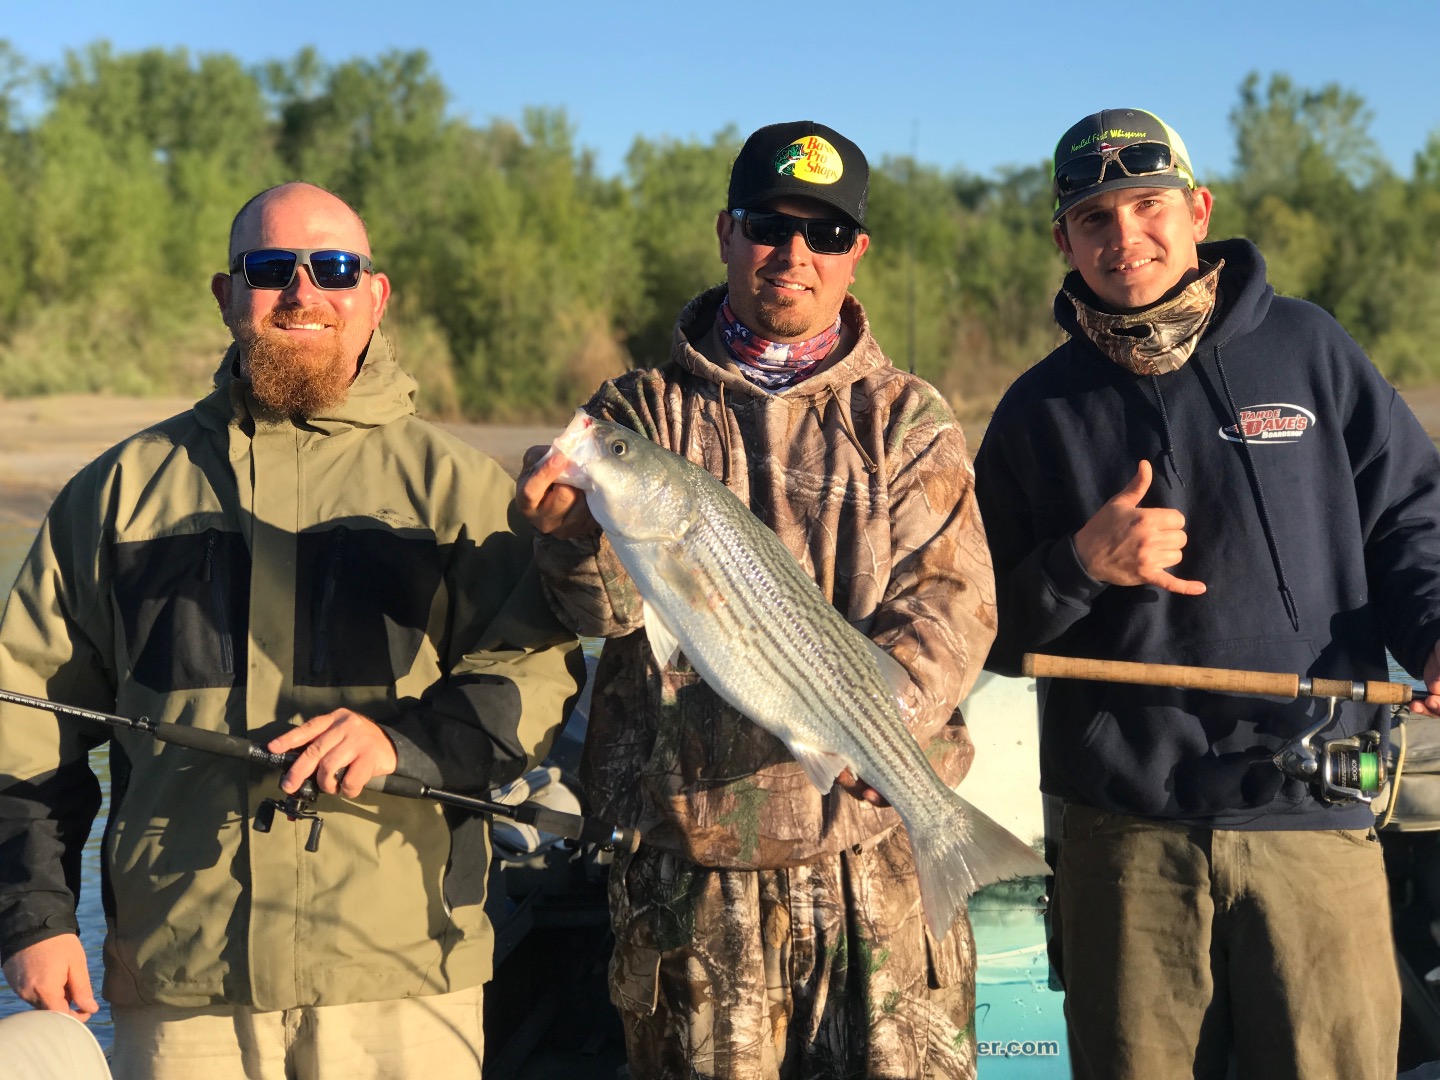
x: 823, y: 970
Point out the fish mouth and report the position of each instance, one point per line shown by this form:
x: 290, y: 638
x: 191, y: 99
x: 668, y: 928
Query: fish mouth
x: 580, y: 424
x: 576, y: 445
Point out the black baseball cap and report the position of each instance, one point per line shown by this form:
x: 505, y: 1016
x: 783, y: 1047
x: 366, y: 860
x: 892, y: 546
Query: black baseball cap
x: 1112, y: 129
x: 801, y: 158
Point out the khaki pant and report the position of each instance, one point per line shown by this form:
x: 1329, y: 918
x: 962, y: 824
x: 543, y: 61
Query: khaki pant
x: 416, y: 1038
x: 1180, y: 946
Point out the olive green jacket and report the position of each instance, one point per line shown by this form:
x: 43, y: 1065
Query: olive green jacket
x: 234, y: 570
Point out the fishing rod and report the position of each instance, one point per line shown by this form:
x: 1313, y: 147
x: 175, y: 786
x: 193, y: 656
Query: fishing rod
x: 1339, y: 770
x: 1223, y: 680
x: 298, y: 806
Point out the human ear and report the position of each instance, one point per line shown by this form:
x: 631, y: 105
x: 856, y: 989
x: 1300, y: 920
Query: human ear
x: 1062, y: 241
x: 1201, y: 205
x: 379, y: 296
x: 725, y: 232
x: 220, y: 286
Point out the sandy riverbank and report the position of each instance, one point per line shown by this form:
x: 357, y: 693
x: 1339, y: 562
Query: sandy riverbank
x: 43, y: 441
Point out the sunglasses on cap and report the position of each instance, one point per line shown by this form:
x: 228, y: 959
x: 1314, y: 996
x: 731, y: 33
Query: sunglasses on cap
x: 773, y: 229
x: 275, y: 268
x: 1088, y: 170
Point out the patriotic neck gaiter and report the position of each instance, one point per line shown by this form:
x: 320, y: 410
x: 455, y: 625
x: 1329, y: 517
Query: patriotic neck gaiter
x: 773, y: 365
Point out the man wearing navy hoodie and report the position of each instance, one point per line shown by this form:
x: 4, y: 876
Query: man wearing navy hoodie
x: 1206, y: 474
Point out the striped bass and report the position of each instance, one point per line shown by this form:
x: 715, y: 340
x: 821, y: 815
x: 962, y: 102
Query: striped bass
x: 719, y: 586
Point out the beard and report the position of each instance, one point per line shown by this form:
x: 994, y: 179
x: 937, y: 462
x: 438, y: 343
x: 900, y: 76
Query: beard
x: 780, y: 319
x: 292, y: 377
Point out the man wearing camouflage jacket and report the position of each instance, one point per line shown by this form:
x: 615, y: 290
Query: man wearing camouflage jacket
x: 765, y: 929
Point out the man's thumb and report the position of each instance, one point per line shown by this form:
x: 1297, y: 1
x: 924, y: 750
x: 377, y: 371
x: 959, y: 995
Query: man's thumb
x: 1134, y: 491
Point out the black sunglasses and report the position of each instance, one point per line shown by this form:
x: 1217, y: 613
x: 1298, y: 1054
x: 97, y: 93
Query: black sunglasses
x: 772, y: 230
x: 1137, y: 159
x: 275, y: 268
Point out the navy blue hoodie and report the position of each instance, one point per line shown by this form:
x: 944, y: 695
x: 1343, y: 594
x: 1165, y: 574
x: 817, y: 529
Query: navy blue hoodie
x: 1349, y: 482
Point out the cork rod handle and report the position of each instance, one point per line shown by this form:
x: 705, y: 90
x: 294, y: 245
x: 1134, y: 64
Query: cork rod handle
x: 1222, y: 680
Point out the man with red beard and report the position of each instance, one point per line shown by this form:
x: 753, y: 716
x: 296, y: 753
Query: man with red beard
x: 301, y: 345
x: 301, y: 561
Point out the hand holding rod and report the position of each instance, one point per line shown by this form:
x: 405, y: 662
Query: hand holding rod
x: 1222, y: 680
x: 572, y: 826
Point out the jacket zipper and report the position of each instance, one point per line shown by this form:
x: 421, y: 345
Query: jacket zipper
x: 319, y: 659
x: 217, y: 595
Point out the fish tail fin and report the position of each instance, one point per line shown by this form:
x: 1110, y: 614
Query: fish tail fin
x: 967, y: 851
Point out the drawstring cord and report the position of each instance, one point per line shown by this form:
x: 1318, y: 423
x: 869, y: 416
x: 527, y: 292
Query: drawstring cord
x: 846, y: 425
x: 1286, y: 595
x: 1169, y: 450
x: 725, y: 437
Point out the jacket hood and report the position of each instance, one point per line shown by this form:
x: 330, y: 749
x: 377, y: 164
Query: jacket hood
x: 381, y: 392
x: 1244, y: 297
x: 864, y: 355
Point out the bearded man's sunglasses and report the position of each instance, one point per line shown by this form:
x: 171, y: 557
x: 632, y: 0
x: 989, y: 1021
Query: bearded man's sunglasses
x: 275, y: 268
x: 1137, y: 159
x: 773, y: 229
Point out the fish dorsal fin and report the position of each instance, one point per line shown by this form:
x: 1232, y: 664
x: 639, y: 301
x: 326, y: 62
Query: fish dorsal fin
x: 893, y: 672
x: 821, y: 766
x: 663, y: 642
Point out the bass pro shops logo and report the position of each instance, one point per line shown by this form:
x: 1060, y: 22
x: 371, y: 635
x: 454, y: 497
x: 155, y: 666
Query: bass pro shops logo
x: 811, y: 158
x: 1277, y: 422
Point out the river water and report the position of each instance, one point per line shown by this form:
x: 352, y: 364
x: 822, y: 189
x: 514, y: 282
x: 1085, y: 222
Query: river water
x: 1019, y: 1018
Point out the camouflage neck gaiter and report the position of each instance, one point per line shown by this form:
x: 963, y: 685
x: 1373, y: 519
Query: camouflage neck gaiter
x: 1159, y: 339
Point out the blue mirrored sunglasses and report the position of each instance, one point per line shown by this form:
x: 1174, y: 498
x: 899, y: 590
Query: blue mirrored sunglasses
x: 275, y: 268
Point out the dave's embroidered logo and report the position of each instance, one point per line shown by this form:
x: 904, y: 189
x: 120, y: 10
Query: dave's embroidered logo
x: 1277, y: 422
x: 811, y: 158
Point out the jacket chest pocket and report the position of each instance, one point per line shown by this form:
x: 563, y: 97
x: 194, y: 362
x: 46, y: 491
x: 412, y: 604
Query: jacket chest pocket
x: 363, y: 602
x: 184, y: 604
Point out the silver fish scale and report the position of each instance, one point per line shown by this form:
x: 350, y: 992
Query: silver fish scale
x: 779, y: 632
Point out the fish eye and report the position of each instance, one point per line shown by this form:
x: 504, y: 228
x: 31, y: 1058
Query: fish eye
x: 618, y: 448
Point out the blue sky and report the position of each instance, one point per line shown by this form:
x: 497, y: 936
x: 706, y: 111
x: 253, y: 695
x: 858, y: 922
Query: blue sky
x: 966, y: 86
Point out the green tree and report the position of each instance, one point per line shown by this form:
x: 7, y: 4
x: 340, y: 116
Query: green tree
x: 676, y: 191
x: 523, y: 276
x: 1304, y: 146
x: 14, y: 183
x: 135, y: 160
x: 539, y: 271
